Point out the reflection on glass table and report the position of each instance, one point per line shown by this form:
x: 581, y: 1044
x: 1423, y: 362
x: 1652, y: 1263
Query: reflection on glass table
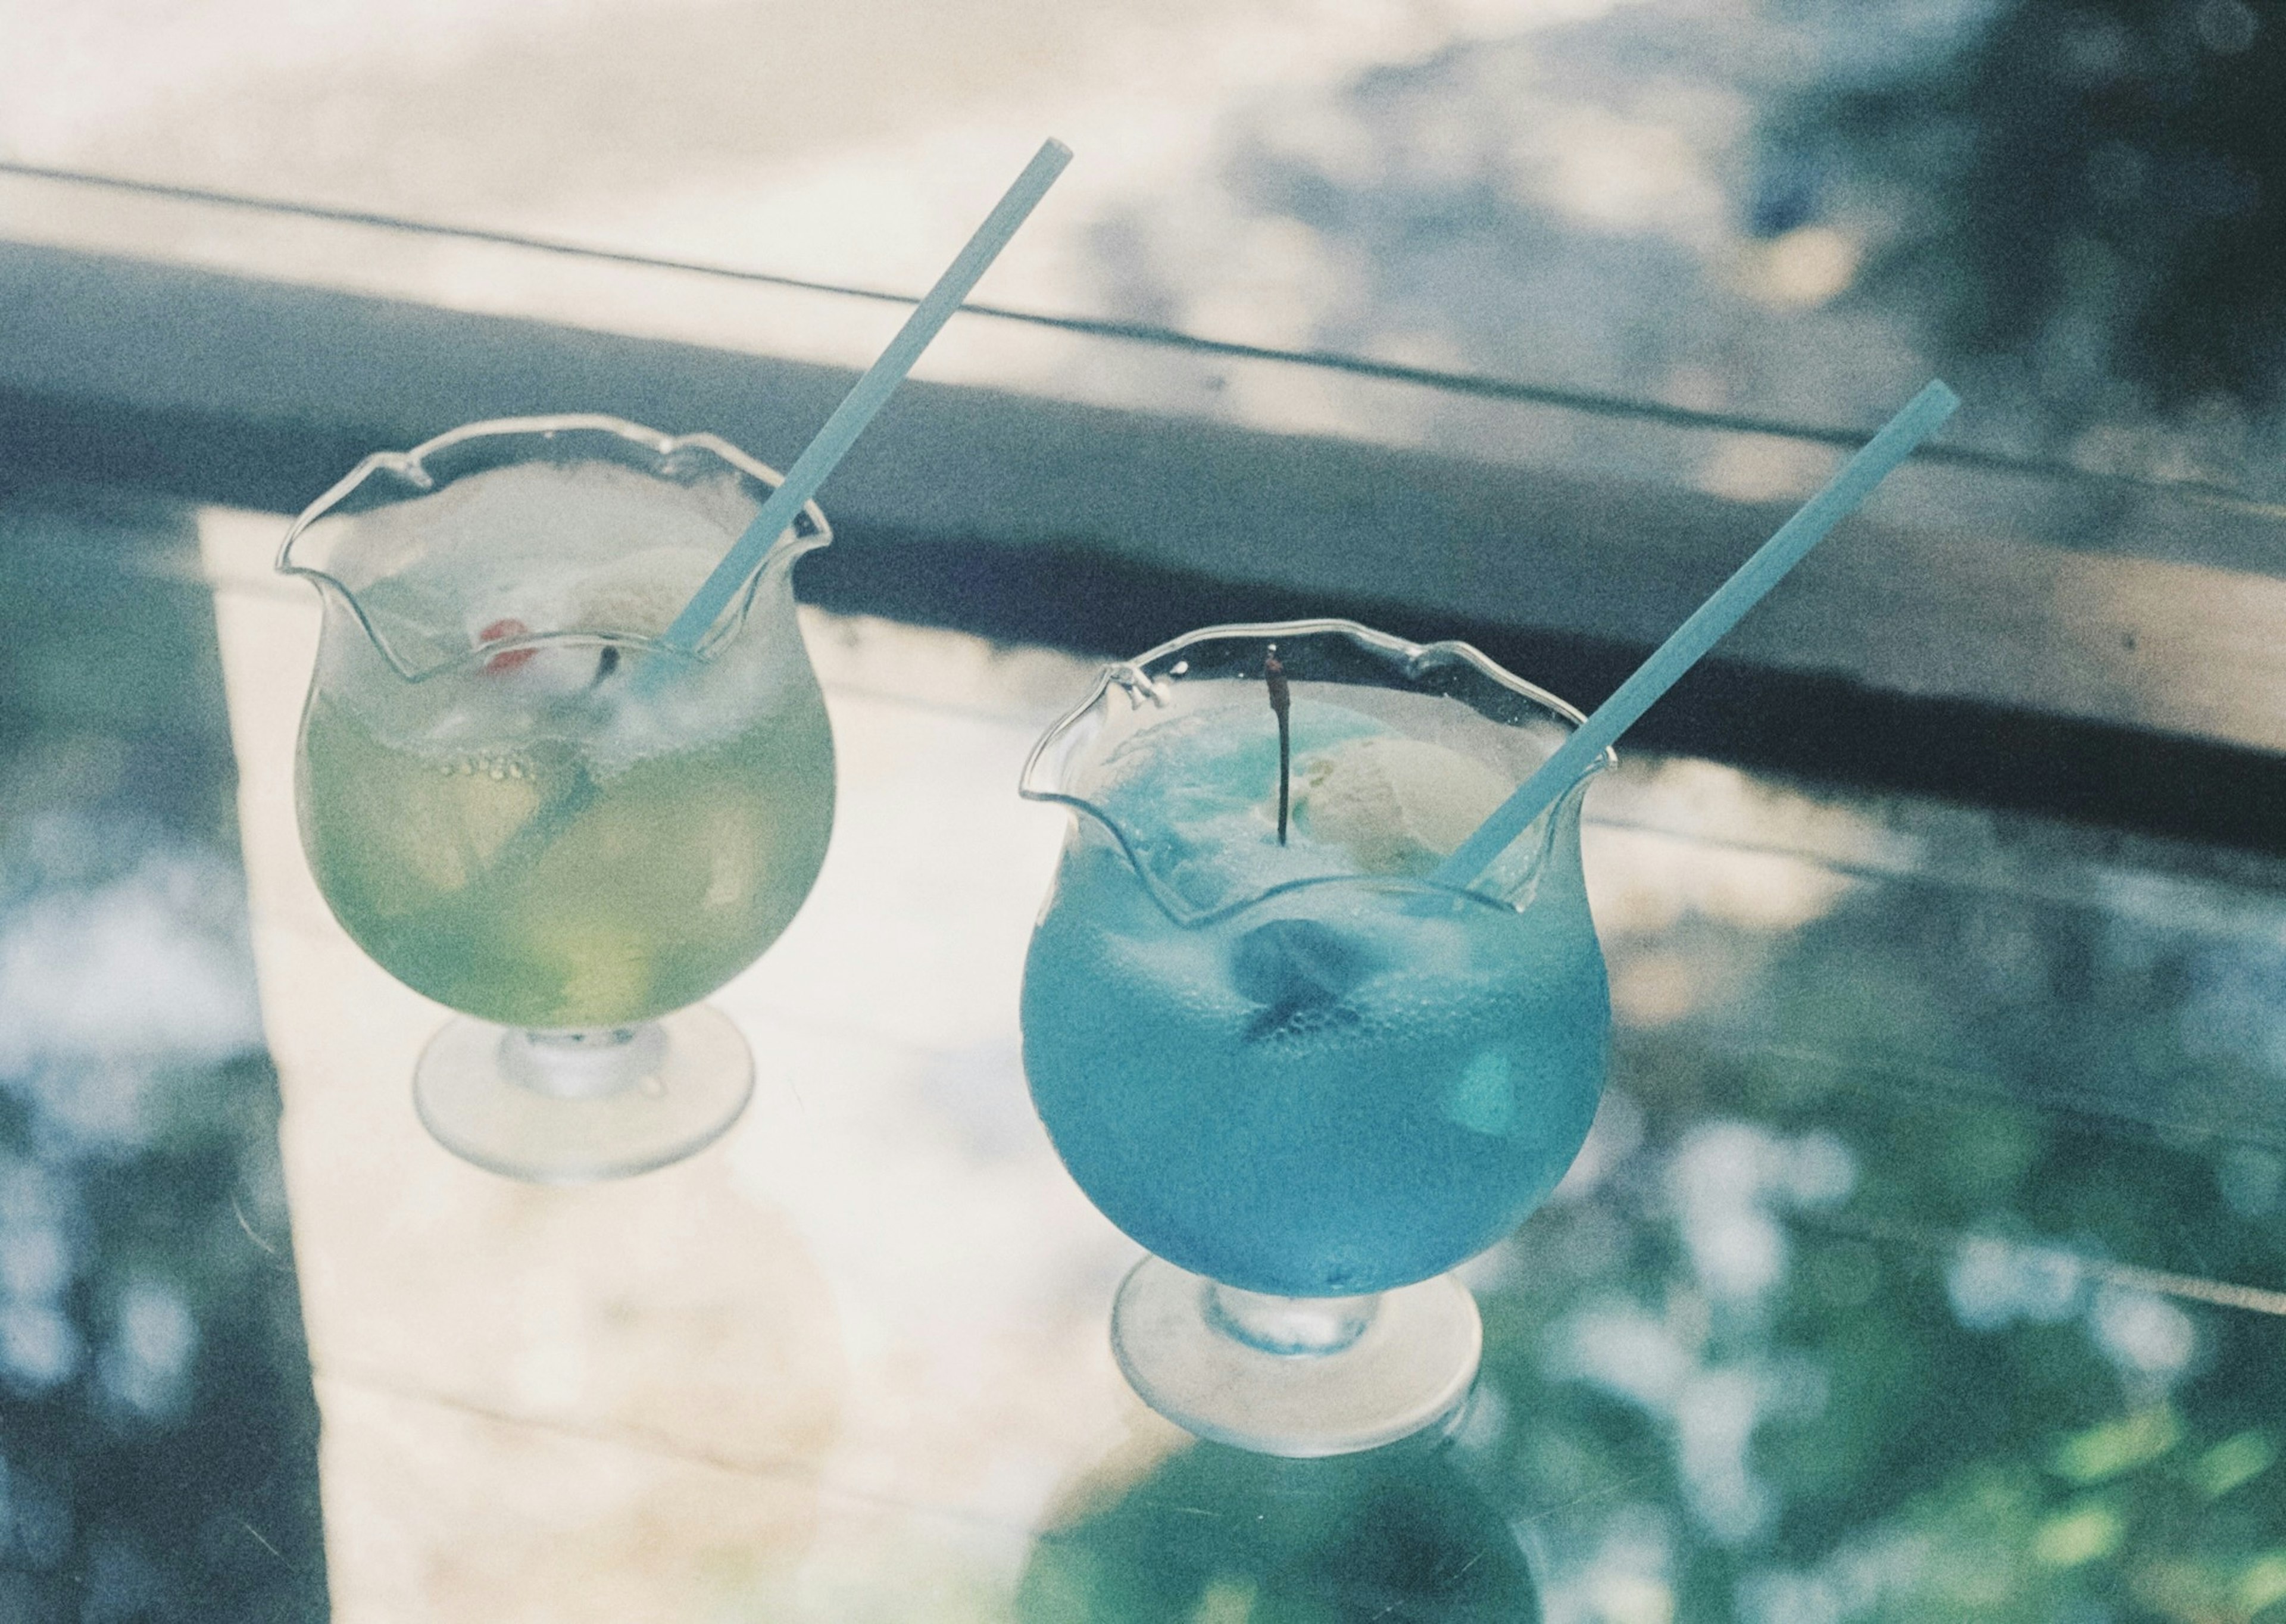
x: 158, y: 1433
x: 1927, y: 1259
x: 1216, y: 1533
x: 524, y: 806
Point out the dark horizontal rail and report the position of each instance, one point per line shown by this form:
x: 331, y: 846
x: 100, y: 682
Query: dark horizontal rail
x: 1811, y: 727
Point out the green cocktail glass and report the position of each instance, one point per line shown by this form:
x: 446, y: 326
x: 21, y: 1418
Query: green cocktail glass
x: 527, y: 808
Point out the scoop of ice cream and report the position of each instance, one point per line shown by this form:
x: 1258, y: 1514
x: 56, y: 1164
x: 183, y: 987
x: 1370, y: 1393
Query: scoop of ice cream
x: 1397, y: 806
x: 642, y: 593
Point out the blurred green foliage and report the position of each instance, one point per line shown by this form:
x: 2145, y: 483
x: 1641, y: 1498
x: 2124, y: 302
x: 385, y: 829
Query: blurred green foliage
x: 158, y: 1429
x: 2097, y: 187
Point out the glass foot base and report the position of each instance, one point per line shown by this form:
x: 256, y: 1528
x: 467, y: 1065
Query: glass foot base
x: 566, y: 1108
x: 1297, y: 1376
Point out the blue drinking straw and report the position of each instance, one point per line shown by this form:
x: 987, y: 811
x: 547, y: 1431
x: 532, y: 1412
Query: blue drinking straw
x: 871, y: 393
x: 1707, y: 626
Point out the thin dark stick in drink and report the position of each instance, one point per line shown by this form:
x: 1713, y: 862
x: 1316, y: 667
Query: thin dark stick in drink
x: 1281, y: 703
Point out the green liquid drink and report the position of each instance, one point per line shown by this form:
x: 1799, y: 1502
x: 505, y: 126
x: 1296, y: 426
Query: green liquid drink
x: 523, y: 800
x: 549, y: 871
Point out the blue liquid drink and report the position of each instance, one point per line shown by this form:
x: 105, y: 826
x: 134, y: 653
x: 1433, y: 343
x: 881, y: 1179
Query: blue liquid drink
x: 1304, y: 1069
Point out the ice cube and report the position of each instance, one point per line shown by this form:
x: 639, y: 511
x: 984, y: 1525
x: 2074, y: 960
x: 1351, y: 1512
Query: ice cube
x: 456, y: 819
x: 641, y: 594
x: 1395, y: 805
x: 1299, y: 971
x: 410, y: 832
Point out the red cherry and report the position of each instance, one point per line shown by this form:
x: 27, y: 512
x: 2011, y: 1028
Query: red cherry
x: 499, y: 631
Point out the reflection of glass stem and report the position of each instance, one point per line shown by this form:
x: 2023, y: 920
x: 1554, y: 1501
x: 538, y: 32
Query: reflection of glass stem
x: 1281, y: 704
x: 587, y: 1064
x: 1301, y: 1326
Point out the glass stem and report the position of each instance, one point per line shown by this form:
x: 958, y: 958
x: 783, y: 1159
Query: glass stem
x: 583, y: 1064
x: 1303, y: 1327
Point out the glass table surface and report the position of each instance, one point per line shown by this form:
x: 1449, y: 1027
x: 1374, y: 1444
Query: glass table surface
x: 1928, y: 1260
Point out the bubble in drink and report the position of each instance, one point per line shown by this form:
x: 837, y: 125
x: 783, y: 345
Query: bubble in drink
x: 1348, y: 1085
